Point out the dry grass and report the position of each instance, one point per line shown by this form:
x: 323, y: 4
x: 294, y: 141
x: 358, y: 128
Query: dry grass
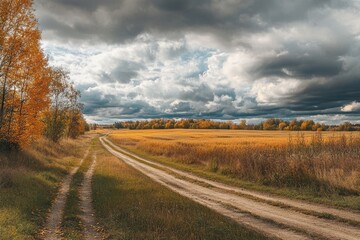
x: 326, y: 161
x: 28, y: 181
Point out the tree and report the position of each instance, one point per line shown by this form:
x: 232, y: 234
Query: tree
x: 170, y: 124
x: 118, y: 125
x: 64, y: 117
x: 294, y: 125
x: 242, y: 124
x: 76, y: 124
x: 282, y: 125
x: 346, y: 126
x: 307, y: 125
x: 270, y: 124
x: 24, y: 74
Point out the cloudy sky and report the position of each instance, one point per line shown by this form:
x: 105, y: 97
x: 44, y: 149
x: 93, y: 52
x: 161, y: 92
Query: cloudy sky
x: 217, y: 59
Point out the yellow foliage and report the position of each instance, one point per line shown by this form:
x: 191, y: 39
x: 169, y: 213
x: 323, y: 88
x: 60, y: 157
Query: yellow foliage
x: 24, y: 78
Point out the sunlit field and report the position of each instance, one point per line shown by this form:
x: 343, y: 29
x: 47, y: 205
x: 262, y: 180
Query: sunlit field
x: 321, y: 161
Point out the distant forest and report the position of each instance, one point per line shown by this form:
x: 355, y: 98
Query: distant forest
x: 269, y: 124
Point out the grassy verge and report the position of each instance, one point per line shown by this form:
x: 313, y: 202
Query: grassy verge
x: 131, y: 206
x: 29, y: 181
x: 304, y: 193
x: 72, y: 227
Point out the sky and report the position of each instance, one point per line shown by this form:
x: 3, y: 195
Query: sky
x: 214, y: 59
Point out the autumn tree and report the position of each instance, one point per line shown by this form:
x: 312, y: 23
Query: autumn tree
x: 269, y: 124
x: 282, y: 125
x: 346, y: 126
x: 170, y: 124
x: 307, y: 125
x: 118, y: 125
x: 76, y: 122
x: 24, y: 74
x: 64, y: 117
x: 242, y: 124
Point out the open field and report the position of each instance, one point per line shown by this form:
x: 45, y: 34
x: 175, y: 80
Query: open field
x: 318, y: 166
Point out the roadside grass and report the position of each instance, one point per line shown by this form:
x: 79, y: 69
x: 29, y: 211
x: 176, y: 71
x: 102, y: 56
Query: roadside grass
x: 131, y: 206
x: 29, y: 181
x: 319, y: 192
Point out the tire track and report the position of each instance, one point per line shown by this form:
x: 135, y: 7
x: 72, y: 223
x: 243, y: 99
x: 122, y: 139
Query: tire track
x: 87, y: 215
x: 52, y: 228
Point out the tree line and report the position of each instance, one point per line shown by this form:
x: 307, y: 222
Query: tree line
x: 268, y: 124
x: 35, y: 98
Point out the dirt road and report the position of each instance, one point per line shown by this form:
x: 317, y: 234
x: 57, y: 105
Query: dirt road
x: 293, y: 220
x: 53, y: 223
x: 87, y: 212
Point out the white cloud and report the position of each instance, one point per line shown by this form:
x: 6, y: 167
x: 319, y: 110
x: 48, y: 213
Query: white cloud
x: 352, y: 107
x: 275, y: 91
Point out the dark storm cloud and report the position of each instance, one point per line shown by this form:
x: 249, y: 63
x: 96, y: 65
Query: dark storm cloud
x: 116, y: 21
x: 199, y: 93
x: 111, y: 105
x: 300, y: 66
x: 225, y: 91
x: 329, y: 80
x: 333, y: 93
x: 94, y: 99
x: 124, y: 71
x: 181, y: 107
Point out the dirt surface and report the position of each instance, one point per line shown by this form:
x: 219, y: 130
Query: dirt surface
x: 253, y: 209
x: 53, y: 223
x: 88, y: 216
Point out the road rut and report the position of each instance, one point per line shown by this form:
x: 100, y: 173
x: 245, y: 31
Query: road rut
x: 87, y: 215
x: 53, y: 223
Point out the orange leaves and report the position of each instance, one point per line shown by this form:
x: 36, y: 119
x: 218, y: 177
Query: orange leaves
x: 28, y: 85
x: 24, y: 73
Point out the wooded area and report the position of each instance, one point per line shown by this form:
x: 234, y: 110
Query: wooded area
x: 35, y: 98
x: 269, y: 124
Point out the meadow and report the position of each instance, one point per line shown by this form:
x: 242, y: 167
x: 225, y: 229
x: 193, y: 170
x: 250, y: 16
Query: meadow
x: 320, y: 163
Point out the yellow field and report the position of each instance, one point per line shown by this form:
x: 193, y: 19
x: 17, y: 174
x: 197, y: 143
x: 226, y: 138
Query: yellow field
x: 220, y: 137
x: 318, y: 160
